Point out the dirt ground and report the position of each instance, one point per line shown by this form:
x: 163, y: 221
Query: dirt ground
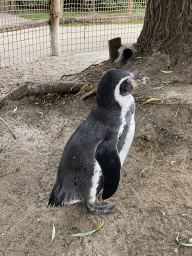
x: 154, y: 198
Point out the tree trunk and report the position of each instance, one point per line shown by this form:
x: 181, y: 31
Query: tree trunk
x: 167, y: 28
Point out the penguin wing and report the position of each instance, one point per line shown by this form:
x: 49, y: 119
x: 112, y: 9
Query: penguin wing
x: 109, y: 161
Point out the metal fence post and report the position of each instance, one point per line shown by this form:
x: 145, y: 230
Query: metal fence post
x: 54, y: 26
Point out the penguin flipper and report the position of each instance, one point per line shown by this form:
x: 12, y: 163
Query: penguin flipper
x: 109, y: 161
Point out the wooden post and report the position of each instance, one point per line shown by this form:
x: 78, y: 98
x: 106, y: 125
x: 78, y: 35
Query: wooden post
x: 61, y: 8
x: 1, y: 6
x: 114, y: 45
x: 54, y: 26
x: 130, y: 7
x: 92, y: 7
x: 13, y: 6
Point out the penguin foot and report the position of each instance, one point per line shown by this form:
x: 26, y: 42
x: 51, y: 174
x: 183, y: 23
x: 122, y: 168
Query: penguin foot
x: 100, y: 208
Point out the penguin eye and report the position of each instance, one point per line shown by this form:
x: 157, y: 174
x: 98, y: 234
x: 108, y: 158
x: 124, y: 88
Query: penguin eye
x: 126, y: 87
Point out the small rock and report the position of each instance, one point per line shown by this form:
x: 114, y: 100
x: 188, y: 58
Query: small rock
x: 147, y: 137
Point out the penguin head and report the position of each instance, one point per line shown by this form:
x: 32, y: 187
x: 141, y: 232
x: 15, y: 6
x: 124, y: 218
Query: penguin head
x: 115, y: 86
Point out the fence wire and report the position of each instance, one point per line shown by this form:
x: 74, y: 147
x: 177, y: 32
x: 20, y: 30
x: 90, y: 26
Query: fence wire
x: 84, y: 26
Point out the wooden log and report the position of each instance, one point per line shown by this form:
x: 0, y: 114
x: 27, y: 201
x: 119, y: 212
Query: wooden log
x: 59, y: 86
x: 29, y: 88
x: 15, y: 94
x: 114, y: 45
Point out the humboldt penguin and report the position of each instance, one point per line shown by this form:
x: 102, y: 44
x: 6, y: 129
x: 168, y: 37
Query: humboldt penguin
x: 94, y: 154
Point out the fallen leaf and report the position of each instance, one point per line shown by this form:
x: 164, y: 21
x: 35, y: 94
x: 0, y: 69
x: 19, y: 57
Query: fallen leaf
x: 139, y: 58
x: 172, y: 163
x: 142, y: 171
x: 48, y: 104
x: 87, y: 87
x: 188, y: 243
x: 53, y: 233
x: 101, y: 64
x: 166, y: 72
x: 104, y: 72
x: 89, y: 232
x: 154, y: 149
x: 15, y: 110
x: 151, y: 99
x: 168, y: 82
x: 41, y: 114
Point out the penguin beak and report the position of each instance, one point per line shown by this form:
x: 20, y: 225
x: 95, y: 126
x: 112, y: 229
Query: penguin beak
x: 142, y: 79
x: 133, y: 82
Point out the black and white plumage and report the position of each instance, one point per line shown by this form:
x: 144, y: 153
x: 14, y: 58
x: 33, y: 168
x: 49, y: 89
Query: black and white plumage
x: 93, y: 156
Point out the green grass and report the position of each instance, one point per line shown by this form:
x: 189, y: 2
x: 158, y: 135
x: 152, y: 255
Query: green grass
x: 34, y: 16
x: 137, y: 11
x: 135, y: 22
x: 46, y: 15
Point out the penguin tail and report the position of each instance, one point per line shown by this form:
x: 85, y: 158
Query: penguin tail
x: 57, y: 197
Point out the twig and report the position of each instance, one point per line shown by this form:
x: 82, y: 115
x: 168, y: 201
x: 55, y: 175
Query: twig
x: 176, y: 112
x: 92, y: 65
x: 8, y: 128
x: 86, y: 95
x: 58, y: 133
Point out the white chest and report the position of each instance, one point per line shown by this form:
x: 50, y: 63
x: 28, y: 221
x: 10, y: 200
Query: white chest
x: 126, y: 134
x: 127, y: 128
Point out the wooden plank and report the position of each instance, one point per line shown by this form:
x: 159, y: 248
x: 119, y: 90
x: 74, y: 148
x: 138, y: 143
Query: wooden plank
x: 54, y: 26
x: 114, y: 45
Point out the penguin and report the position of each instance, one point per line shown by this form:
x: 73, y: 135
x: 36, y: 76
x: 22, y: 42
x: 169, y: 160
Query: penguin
x: 94, y: 154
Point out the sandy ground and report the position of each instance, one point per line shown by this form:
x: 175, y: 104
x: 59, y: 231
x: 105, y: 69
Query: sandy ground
x: 154, y: 198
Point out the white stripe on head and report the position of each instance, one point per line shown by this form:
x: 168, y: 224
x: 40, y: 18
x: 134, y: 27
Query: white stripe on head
x: 122, y: 100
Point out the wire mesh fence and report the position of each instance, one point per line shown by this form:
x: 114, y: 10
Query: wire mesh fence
x: 84, y: 26
x: 24, y: 31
